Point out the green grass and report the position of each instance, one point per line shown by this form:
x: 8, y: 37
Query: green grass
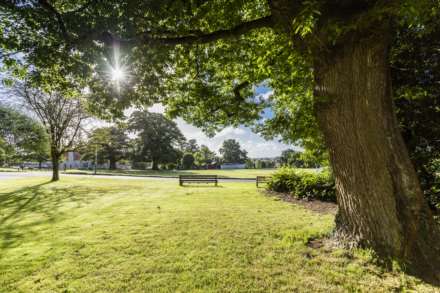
x: 102, y: 235
x: 6, y: 169
x: 233, y: 173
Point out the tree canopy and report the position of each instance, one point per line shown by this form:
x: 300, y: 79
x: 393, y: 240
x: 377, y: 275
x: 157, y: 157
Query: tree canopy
x: 232, y: 152
x: 21, y: 138
x: 158, y: 138
x: 111, y: 143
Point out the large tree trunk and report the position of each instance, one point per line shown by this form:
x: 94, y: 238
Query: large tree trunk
x: 155, y: 165
x: 381, y: 204
x: 55, y: 156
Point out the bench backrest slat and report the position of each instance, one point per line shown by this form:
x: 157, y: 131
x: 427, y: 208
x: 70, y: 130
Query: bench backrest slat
x: 198, y: 178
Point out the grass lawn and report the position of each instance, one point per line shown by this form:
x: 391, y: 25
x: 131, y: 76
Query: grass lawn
x: 8, y: 169
x: 102, y: 235
x: 233, y: 173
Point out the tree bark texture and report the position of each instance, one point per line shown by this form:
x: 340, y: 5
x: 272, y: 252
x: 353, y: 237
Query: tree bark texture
x: 381, y: 204
x: 55, y: 165
x: 155, y: 165
x: 112, y: 164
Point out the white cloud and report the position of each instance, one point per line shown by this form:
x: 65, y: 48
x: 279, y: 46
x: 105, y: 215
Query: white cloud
x: 255, y: 145
x: 265, y: 96
x: 157, y: 108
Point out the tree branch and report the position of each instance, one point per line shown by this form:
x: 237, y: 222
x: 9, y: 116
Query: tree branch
x: 194, y: 37
x: 49, y: 8
x: 237, y: 90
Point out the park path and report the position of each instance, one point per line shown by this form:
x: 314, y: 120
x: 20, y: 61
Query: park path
x: 13, y: 175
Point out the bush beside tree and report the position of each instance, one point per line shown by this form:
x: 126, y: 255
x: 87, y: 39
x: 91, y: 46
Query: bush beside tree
x: 304, y: 185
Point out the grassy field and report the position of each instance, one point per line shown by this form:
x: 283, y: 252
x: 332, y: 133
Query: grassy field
x: 233, y: 173
x: 102, y: 235
x: 4, y: 169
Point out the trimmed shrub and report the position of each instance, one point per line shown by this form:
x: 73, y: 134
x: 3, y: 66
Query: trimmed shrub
x: 171, y: 166
x: 304, y: 184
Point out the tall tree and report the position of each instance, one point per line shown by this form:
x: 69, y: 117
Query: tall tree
x: 159, y: 137
x: 23, y: 138
x: 61, y: 117
x: 329, y: 57
x: 111, y: 144
x: 232, y: 152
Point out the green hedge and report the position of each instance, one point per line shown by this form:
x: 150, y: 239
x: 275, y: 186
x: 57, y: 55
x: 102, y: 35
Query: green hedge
x: 304, y: 184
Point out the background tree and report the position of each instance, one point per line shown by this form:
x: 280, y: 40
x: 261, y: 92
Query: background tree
x: 188, y: 161
x: 22, y: 138
x: 204, y: 156
x: 159, y: 138
x: 111, y: 142
x: 191, y: 146
x: 61, y: 117
x: 330, y: 58
x: 232, y: 152
x: 415, y: 65
x: 291, y: 158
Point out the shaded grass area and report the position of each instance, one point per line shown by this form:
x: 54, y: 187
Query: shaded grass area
x: 233, y: 173
x: 102, y: 235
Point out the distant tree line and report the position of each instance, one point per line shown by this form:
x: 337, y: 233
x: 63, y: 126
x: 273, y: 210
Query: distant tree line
x: 150, y: 140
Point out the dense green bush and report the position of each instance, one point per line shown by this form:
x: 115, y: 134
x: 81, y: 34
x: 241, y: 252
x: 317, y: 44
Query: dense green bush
x: 304, y: 184
x: 171, y: 166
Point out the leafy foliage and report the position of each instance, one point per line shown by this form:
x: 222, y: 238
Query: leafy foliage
x: 232, y: 152
x: 415, y: 71
x: 304, y: 185
x: 111, y: 144
x: 204, y: 156
x: 187, y: 161
x: 21, y: 138
x: 158, y: 139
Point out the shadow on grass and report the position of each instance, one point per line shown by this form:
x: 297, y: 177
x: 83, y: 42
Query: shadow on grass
x: 24, y: 209
x: 201, y: 186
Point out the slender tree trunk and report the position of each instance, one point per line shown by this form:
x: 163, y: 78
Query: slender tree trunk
x: 55, y: 156
x: 112, y: 164
x: 155, y: 165
x: 381, y: 204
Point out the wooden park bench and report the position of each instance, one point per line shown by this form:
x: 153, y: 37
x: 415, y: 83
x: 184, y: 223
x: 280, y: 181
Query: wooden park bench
x: 262, y: 179
x: 198, y: 179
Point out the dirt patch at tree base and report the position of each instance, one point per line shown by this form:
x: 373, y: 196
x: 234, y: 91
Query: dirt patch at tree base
x: 313, y: 205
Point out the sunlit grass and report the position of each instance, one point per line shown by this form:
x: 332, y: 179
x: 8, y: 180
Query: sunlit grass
x: 233, y: 173
x: 102, y: 235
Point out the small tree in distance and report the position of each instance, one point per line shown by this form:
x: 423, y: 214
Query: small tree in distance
x: 232, y: 152
x: 21, y: 138
x: 111, y: 143
x: 204, y: 156
x: 158, y: 138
